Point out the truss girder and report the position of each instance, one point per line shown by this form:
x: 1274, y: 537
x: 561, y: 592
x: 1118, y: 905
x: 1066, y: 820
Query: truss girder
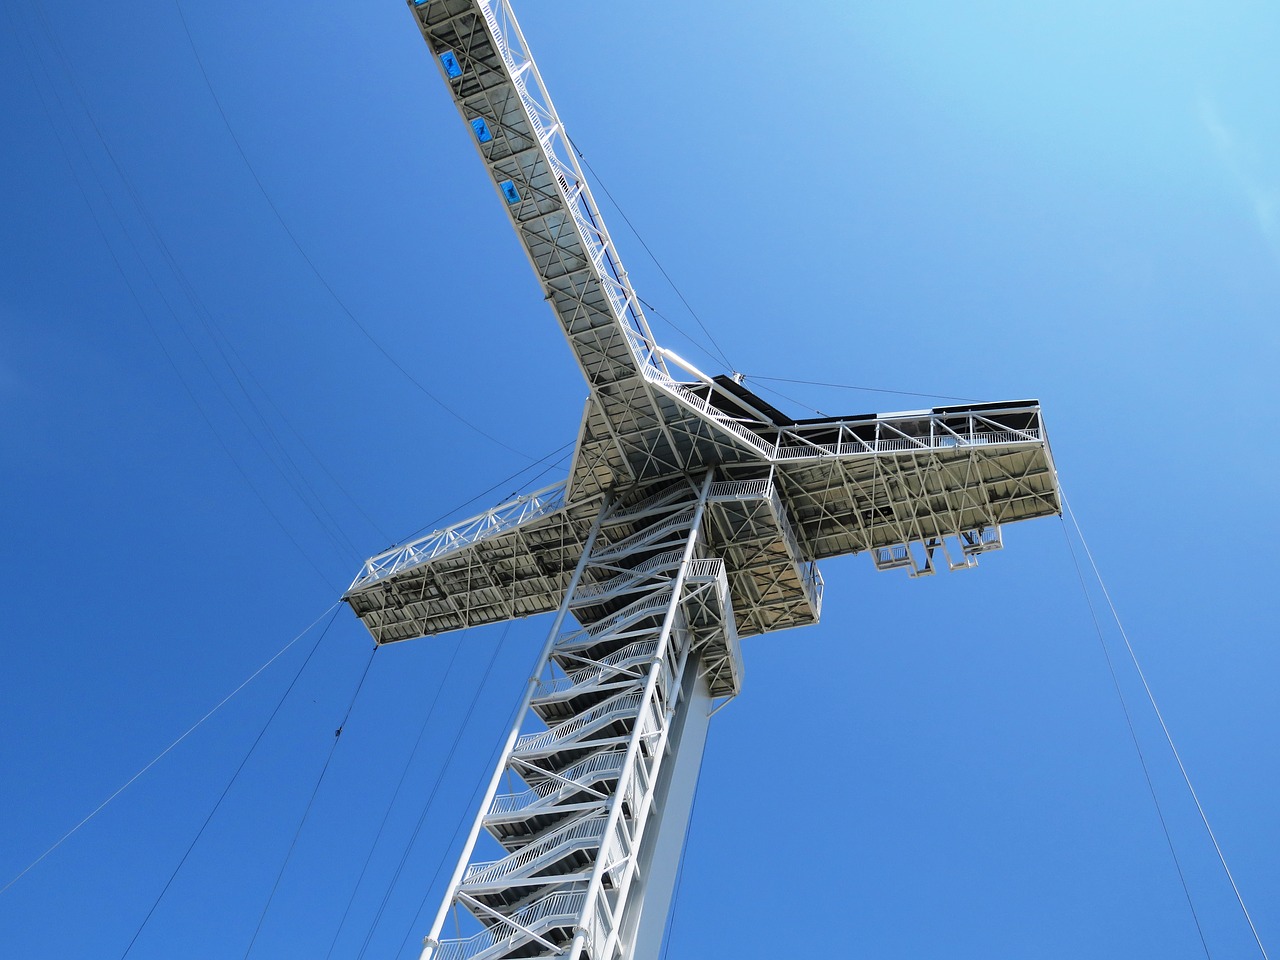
x: 497, y: 89
x: 848, y: 504
x: 841, y: 497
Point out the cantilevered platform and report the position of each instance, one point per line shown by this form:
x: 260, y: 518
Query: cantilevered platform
x: 946, y: 478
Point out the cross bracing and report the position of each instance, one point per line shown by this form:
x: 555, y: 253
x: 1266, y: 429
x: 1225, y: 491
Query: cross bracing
x: 852, y: 486
x: 694, y: 513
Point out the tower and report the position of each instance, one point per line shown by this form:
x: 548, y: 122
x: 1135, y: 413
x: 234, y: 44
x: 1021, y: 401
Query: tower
x: 694, y: 514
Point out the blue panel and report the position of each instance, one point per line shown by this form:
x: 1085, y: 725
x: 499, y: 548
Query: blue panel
x: 482, y: 130
x: 451, y: 65
x: 509, y: 191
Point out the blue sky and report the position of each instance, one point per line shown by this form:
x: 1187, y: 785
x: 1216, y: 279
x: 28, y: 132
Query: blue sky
x: 1079, y: 204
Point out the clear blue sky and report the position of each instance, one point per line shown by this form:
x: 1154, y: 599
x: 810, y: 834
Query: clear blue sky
x: 997, y: 200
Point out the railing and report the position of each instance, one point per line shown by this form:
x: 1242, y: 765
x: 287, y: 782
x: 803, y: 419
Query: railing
x: 655, y: 374
x: 784, y: 525
x: 636, y: 652
x: 706, y: 569
x: 565, y: 732
x: 739, y: 489
x: 639, y: 608
x: 462, y: 534
x: 641, y: 537
x: 561, y: 907
x: 898, y: 444
x: 654, y: 499
x: 583, y: 830
x: 583, y: 772
x: 810, y: 579
x: 595, y: 591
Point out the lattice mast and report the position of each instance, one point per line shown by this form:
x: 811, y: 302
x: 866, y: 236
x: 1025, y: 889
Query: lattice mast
x: 693, y: 514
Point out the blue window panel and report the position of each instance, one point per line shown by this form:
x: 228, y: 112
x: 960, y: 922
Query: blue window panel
x: 421, y: 3
x: 482, y: 130
x: 509, y: 191
x: 451, y: 65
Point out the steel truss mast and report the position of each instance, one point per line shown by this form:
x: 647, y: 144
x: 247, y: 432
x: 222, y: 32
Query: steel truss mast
x: 694, y: 513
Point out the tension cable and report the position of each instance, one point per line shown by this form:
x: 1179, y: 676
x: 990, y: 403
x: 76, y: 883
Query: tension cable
x: 1151, y: 699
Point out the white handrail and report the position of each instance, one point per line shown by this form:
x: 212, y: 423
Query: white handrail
x: 563, y: 732
x: 633, y: 611
x: 641, y: 537
x: 503, y: 517
x: 568, y: 906
x: 585, y: 771
x: 589, y: 830
x: 897, y: 444
x: 636, y: 652
x: 591, y: 591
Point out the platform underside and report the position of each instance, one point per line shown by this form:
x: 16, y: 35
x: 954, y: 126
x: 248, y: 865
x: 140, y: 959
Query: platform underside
x: 836, y: 487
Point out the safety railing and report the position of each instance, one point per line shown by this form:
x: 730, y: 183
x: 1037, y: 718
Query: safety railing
x: 640, y: 608
x: 705, y: 569
x: 765, y: 489
x: 614, y: 585
x: 556, y: 908
x: 596, y: 244
x: 663, y: 496
x: 610, y: 666
x: 584, y: 772
x: 812, y: 582
x: 566, y: 732
x: 656, y: 375
x: 898, y: 444
x: 739, y: 489
x: 575, y: 834
x: 463, y: 534
x: 642, y: 537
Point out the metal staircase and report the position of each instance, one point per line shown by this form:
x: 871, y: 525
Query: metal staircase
x: 605, y: 701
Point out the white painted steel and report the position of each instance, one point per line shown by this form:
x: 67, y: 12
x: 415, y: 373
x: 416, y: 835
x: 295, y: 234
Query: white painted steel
x: 579, y: 828
x: 693, y: 513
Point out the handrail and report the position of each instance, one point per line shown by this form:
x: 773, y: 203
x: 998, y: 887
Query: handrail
x: 647, y: 535
x: 729, y: 489
x: 638, y: 608
x: 566, y: 905
x: 596, y: 243
x: 591, y: 828
x: 765, y: 489
x: 636, y: 652
x: 896, y: 444
x: 581, y: 773
x: 503, y: 517
x: 589, y: 591
x: 705, y: 569
x: 654, y: 499
x: 563, y: 732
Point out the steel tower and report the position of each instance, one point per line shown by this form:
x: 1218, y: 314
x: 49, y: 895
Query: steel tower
x: 693, y: 515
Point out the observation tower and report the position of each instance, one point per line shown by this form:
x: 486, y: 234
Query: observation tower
x: 694, y: 514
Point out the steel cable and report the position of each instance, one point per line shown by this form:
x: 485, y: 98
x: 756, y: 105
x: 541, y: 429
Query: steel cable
x: 190, y: 730
x: 197, y: 305
x: 337, y: 736
x: 395, y: 795
x: 1177, y: 756
x: 1137, y: 745
x: 230, y: 783
x: 413, y: 837
x: 311, y: 264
